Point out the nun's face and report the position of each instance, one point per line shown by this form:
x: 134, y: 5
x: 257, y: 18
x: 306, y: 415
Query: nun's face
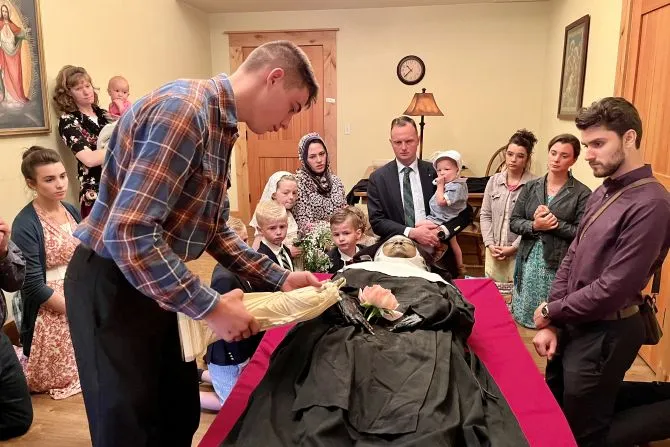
x: 399, y: 247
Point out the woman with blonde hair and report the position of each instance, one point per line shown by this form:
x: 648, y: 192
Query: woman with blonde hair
x: 80, y: 124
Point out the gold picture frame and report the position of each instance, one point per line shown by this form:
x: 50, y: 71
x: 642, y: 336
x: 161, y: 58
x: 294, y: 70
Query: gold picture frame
x: 23, y: 88
x: 573, y: 69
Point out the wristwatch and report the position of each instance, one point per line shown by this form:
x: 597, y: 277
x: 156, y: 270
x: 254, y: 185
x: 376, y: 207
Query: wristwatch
x: 441, y: 235
x: 545, y: 311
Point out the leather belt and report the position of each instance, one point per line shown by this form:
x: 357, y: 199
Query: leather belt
x: 623, y: 313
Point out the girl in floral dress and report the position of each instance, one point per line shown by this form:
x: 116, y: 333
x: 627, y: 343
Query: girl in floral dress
x: 43, y: 232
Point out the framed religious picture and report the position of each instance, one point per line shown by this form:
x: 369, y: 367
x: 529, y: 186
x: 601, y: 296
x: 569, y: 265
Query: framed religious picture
x: 573, y: 70
x: 23, y: 93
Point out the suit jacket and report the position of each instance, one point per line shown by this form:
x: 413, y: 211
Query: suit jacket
x: 264, y: 249
x: 233, y: 353
x: 385, y: 209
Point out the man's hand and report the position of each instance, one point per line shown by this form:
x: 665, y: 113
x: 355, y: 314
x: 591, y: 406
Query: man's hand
x: 545, y: 222
x: 425, y: 235
x: 540, y: 321
x: 546, y: 342
x: 229, y: 318
x: 4, y: 238
x: 297, y: 280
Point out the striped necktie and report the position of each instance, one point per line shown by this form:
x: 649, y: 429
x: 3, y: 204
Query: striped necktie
x: 283, y: 259
x: 407, y: 198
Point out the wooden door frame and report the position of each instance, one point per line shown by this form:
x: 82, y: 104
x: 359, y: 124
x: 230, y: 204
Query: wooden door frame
x: 623, y: 56
x: 325, y: 37
x: 625, y: 69
x: 627, y: 61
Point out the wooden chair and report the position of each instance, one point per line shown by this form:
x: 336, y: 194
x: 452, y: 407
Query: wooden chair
x: 496, y: 162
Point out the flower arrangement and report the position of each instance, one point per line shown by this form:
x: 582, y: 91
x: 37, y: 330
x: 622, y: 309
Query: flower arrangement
x: 379, y: 302
x: 315, y: 243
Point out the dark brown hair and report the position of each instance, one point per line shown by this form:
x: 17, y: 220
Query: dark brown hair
x: 613, y: 113
x: 524, y: 138
x: 567, y: 138
x: 36, y: 156
x: 352, y: 214
x: 289, y: 57
x: 68, y: 77
x: 403, y: 121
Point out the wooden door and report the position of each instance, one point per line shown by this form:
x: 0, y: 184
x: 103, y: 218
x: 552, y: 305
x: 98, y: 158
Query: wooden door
x: 258, y: 156
x: 643, y: 75
x: 278, y: 151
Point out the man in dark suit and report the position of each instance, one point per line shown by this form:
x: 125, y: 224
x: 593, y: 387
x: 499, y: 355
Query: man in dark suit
x: 399, y: 194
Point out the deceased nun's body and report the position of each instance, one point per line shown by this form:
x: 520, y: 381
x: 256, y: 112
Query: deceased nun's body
x: 412, y: 383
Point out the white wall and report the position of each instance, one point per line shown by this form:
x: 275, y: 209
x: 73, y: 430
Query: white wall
x: 485, y: 66
x: 600, y: 67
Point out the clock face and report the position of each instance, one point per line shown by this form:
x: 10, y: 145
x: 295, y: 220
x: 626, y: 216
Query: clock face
x: 411, y: 70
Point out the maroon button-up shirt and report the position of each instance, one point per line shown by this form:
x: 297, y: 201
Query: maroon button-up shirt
x: 610, y: 266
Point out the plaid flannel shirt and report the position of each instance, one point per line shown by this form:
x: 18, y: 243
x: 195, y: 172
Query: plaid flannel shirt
x: 162, y: 196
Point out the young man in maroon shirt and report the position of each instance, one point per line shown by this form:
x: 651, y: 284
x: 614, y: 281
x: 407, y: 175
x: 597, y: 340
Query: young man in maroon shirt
x: 591, y: 328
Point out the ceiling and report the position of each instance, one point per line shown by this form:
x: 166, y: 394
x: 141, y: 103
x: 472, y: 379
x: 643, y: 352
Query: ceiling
x: 301, y: 5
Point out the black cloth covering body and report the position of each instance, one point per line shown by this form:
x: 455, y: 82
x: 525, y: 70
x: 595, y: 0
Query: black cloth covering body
x: 330, y: 383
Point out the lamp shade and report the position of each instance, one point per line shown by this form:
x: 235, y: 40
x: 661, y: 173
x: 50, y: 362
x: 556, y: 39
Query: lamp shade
x: 423, y: 104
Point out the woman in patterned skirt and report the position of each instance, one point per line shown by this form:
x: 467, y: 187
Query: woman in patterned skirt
x: 320, y: 192
x: 546, y: 216
x: 43, y: 232
x: 79, y: 126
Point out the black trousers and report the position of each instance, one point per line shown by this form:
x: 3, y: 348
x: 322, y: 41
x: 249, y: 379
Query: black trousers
x: 137, y: 389
x: 16, y: 408
x: 586, y: 377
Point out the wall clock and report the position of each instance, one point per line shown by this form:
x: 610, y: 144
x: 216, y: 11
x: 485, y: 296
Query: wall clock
x: 411, y: 70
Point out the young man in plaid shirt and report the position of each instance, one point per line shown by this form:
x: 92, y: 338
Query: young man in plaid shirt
x: 161, y: 202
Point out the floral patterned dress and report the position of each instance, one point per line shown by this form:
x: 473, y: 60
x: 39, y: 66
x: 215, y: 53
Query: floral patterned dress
x: 80, y: 131
x: 535, y: 284
x: 51, y: 366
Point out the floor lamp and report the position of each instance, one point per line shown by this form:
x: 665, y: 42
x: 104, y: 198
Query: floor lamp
x: 423, y: 104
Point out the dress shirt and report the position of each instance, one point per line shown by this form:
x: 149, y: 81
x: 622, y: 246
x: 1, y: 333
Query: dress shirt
x: 607, y: 269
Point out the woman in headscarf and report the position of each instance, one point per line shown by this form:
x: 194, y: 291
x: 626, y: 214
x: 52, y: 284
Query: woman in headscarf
x: 320, y: 192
